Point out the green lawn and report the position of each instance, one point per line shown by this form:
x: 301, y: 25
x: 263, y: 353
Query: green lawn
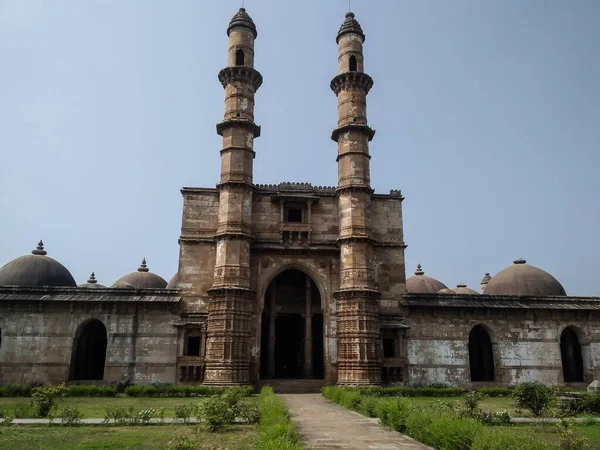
x: 94, y: 407
x: 551, y: 433
x: 123, y: 438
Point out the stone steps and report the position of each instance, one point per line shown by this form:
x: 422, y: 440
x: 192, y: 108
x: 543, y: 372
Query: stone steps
x: 296, y: 386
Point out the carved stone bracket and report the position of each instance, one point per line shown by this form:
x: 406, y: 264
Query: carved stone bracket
x: 242, y: 74
x: 351, y: 80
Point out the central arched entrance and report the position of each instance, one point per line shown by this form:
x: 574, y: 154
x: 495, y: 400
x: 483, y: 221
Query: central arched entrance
x: 292, y: 328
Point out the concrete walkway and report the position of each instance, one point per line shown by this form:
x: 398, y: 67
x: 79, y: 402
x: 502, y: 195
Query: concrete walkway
x: 323, y: 424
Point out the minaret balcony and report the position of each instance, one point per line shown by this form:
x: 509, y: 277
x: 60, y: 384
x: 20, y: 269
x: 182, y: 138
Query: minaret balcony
x: 348, y: 81
x: 241, y: 74
x: 295, y: 234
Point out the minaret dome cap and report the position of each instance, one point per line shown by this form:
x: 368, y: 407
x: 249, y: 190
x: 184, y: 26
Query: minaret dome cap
x: 350, y: 25
x: 242, y: 19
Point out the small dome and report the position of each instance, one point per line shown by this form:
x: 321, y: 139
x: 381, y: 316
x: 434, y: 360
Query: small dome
x: 34, y: 270
x: 173, y: 282
x: 524, y: 279
x: 92, y: 283
x: 350, y: 25
x: 422, y: 284
x: 242, y: 19
x: 142, y: 279
x: 446, y: 291
x: 463, y: 289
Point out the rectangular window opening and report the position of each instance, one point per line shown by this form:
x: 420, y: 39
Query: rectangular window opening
x: 294, y: 215
x: 389, y: 348
x: 193, y: 346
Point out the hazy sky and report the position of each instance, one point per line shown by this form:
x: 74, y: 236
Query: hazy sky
x: 487, y: 116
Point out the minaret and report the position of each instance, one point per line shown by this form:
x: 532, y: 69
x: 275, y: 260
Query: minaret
x: 359, y: 343
x: 231, y: 299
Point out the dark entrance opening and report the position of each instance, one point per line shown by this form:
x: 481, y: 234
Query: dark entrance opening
x: 481, y: 355
x: 292, y: 329
x: 239, y: 57
x: 193, y: 346
x: 572, y: 360
x: 89, y: 352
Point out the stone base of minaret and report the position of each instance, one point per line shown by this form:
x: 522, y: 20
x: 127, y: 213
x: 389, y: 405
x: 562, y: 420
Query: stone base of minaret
x: 359, y: 342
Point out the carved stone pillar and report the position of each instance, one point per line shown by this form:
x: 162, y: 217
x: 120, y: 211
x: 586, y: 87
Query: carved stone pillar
x: 308, y: 366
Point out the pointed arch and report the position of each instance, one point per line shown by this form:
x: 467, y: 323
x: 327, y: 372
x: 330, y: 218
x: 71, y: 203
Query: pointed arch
x: 481, y: 355
x: 239, y: 57
x: 353, y: 64
x: 571, y: 355
x: 88, y: 355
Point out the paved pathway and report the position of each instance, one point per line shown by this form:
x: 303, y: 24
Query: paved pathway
x: 323, y: 424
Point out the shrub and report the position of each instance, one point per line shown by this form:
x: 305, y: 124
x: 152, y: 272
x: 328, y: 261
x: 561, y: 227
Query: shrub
x: 16, y: 390
x: 143, y: 416
x: 70, y: 415
x: 184, y: 443
x: 570, y: 407
x: 277, y: 431
x: 89, y: 391
x: 495, y: 391
x: 181, y: 391
x: 184, y: 412
x: 23, y: 411
x: 350, y: 399
x: 568, y: 439
x: 248, y: 413
x: 118, y: 414
x: 43, y: 398
x: 214, y: 413
x: 591, y: 402
x: 494, y: 418
x: 393, y: 413
x: 368, y: 406
x: 471, y: 402
x: 505, y: 439
x: 535, y: 397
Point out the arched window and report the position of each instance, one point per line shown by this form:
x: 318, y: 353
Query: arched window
x: 353, y: 65
x: 481, y: 355
x: 239, y: 57
x: 89, y: 352
x: 572, y: 360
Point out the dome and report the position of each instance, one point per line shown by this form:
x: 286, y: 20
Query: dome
x: 446, y: 291
x: 463, y: 289
x: 422, y: 284
x: 35, y: 270
x: 524, y: 279
x: 142, y: 279
x: 242, y: 19
x: 350, y: 25
x: 92, y: 283
x: 173, y: 282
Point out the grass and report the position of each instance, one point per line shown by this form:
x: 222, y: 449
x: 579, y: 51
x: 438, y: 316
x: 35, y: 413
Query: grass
x: 93, y: 407
x: 123, y: 438
x: 551, y: 434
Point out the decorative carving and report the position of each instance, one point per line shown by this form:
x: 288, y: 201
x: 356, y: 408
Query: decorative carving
x: 241, y: 74
x: 352, y: 81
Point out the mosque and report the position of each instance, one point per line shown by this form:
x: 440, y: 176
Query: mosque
x: 292, y: 282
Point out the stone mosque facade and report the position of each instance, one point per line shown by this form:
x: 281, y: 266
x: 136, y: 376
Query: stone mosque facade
x: 292, y: 281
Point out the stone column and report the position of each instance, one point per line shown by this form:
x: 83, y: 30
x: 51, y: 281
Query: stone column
x: 359, y: 341
x: 272, y: 317
x: 308, y: 366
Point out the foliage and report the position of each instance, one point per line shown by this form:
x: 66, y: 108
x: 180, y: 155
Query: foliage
x: 393, y: 413
x: 495, y: 391
x: 70, y: 415
x: 90, y: 391
x: 277, y: 431
x: 534, y: 396
x: 368, y: 406
x: 184, y: 443
x: 7, y: 418
x: 183, y: 412
x: 471, y: 402
x: 16, y: 390
x: 214, y: 413
x: 143, y: 416
x: 44, y: 397
x: 568, y: 439
x: 183, y: 391
x: 23, y: 411
x: 494, y: 418
x: 119, y: 415
x: 508, y: 439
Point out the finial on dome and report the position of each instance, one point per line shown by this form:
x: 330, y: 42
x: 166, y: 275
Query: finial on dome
x: 486, y: 278
x: 350, y: 15
x: 243, y: 20
x: 519, y: 261
x: 40, y: 249
x: 92, y: 279
x: 143, y: 267
x: 419, y: 271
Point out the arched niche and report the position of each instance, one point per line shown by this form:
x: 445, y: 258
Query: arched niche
x: 481, y: 355
x: 88, y: 355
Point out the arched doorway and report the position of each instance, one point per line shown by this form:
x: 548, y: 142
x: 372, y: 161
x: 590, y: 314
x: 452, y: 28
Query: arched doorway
x: 481, y: 355
x: 572, y: 360
x: 292, y: 328
x: 89, y: 352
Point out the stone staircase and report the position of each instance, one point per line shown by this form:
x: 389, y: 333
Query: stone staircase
x: 295, y: 386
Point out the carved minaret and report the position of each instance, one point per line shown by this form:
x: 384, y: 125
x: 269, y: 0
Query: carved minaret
x: 359, y: 344
x: 230, y: 304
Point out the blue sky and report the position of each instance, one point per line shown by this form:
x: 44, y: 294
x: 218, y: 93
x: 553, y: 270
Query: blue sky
x: 487, y: 116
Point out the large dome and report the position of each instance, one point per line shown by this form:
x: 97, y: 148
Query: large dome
x: 142, y: 279
x: 524, y: 279
x: 34, y: 270
x: 422, y: 284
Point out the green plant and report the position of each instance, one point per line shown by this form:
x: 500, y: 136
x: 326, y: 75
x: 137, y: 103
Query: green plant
x: 183, y: 412
x: 471, y: 402
x: 535, y: 397
x: 214, y: 413
x: 507, y: 439
x: 495, y: 391
x: 23, y: 411
x: 368, y: 406
x: 119, y: 415
x: 160, y: 414
x: 393, y: 413
x: 494, y: 418
x: 89, y: 391
x: 277, y: 431
x: 248, y: 413
x: 144, y: 415
x: 70, y: 415
x: 184, y: 443
x: 568, y: 439
x: 44, y: 397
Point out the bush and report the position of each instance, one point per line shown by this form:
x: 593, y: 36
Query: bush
x: 505, y: 439
x: 591, y: 401
x: 471, y: 402
x: 494, y: 418
x: 23, y: 411
x: 70, y: 415
x: 119, y: 414
x: 568, y: 439
x: 183, y: 391
x: 184, y: 443
x: 184, y: 412
x: 89, y: 391
x: 16, y: 390
x: 350, y: 399
x: 393, y: 413
x: 495, y: 391
x: 277, y: 431
x: 368, y: 406
x: 535, y: 397
x: 43, y: 399
x: 214, y: 413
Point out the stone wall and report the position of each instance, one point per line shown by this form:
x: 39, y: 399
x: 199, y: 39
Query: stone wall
x: 525, y: 342
x: 38, y: 338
